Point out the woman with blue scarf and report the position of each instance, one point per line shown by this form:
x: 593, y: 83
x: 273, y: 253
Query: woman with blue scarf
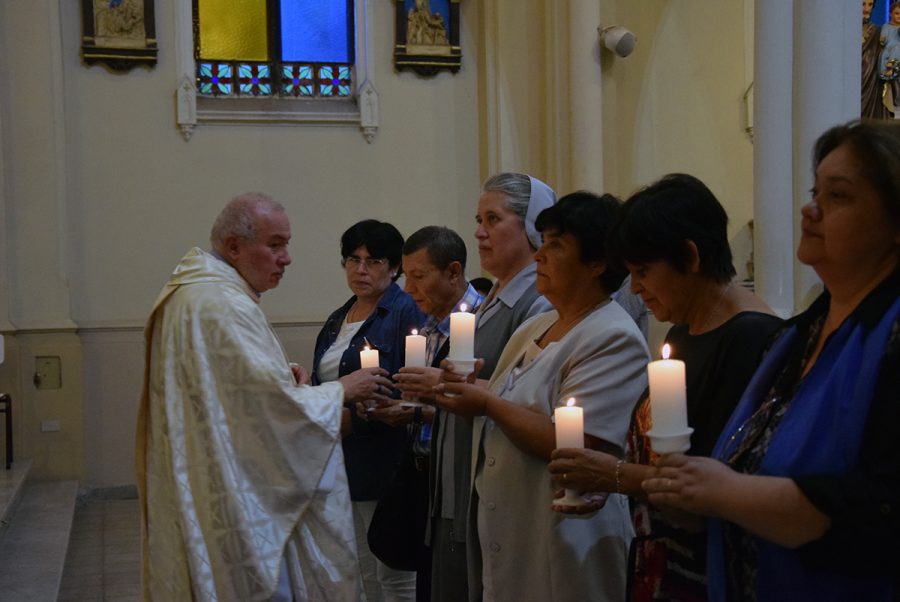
x: 803, y: 489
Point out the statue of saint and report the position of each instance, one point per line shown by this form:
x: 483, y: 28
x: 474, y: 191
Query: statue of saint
x: 119, y: 20
x: 889, y: 60
x: 424, y: 28
x: 872, y: 85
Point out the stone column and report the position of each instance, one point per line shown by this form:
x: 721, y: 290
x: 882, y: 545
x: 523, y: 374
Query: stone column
x: 585, y: 97
x: 806, y: 79
x: 826, y: 93
x: 773, y: 233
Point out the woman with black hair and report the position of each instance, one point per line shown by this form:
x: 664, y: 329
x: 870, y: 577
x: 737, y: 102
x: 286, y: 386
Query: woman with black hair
x: 802, y: 488
x: 380, y: 315
x: 588, y: 348
x: 672, y: 236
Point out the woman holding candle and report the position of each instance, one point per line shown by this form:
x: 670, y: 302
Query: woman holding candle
x: 804, y: 483
x: 378, y: 315
x: 588, y: 348
x: 673, y: 237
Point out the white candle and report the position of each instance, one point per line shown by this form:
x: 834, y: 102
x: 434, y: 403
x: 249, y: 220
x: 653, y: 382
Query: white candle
x: 668, y: 402
x: 569, y: 425
x: 368, y: 358
x: 462, y: 335
x: 415, y: 350
x: 569, y: 433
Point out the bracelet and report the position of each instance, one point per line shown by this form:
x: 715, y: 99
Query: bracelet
x: 619, y: 475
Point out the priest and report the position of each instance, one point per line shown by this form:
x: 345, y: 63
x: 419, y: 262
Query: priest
x: 241, y: 477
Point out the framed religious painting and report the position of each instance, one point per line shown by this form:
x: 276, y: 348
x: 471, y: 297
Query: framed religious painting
x: 120, y: 34
x: 427, y: 36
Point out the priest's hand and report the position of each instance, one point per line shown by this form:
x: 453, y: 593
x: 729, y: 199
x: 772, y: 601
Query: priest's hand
x: 367, y: 384
x: 417, y: 382
x: 301, y: 376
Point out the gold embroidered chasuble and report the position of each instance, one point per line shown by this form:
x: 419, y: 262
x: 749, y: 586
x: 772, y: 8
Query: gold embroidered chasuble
x: 238, y: 467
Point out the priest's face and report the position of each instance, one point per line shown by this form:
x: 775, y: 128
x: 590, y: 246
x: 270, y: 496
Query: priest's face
x: 262, y: 261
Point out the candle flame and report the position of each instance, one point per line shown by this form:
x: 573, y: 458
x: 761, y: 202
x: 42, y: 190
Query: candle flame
x: 666, y: 351
x: 463, y: 307
x: 366, y: 348
x: 570, y: 402
x: 415, y: 332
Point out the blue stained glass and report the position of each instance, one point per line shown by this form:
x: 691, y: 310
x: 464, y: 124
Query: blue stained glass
x: 316, y: 31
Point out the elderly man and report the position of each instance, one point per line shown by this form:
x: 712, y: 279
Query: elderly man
x: 243, y: 490
x: 434, y: 261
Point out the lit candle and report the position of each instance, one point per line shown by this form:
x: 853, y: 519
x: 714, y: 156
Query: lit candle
x: 668, y: 404
x: 569, y: 433
x: 368, y: 358
x: 462, y: 335
x: 569, y: 425
x: 415, y: 350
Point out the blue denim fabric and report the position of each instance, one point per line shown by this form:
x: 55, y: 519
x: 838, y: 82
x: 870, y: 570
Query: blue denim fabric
x: 373, y: 449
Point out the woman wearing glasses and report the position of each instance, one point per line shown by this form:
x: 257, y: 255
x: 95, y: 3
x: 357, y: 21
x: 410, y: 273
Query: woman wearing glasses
x: 379, y: 314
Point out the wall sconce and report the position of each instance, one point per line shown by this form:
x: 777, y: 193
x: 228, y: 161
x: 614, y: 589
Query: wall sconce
x: 617, y: 39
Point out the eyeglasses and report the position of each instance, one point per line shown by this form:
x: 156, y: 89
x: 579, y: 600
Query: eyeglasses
x: 352, y: 261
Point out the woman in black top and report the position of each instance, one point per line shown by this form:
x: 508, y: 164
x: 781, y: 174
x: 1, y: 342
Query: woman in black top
x: 803, y: 485
x: 672, y: 236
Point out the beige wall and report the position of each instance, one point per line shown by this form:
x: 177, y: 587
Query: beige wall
x: 676, y: 105
x: 102, y: 196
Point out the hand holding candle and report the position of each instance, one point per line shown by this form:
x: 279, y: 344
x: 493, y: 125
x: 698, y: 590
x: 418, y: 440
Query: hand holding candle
x: 668, y: 405
x: 569, y: 433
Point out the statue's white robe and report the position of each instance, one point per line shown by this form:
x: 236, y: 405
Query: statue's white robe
x: 238, y: 467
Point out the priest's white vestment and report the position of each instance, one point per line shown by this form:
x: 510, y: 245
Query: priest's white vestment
x: 238, y: 467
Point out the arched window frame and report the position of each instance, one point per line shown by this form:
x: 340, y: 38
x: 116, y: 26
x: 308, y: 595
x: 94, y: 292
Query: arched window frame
x: 361, y: 110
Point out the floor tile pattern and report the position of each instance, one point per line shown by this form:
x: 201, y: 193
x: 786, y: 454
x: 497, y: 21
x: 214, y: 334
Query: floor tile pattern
x: 103, y: 562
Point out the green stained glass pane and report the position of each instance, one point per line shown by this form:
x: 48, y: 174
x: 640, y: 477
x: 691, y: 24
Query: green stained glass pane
x: 233, y: 30
x: 296, y: 80
x: 214, y: 79
x: 254, y: 80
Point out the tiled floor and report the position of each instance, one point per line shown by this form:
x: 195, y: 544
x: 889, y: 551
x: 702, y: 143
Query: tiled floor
x: 103, y: 562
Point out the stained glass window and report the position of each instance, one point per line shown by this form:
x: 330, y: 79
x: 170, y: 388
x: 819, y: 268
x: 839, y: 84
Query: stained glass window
x: 282, y: 48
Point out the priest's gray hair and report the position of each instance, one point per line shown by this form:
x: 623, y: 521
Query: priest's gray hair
x: 236, y: 219
x: 516, y: 187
